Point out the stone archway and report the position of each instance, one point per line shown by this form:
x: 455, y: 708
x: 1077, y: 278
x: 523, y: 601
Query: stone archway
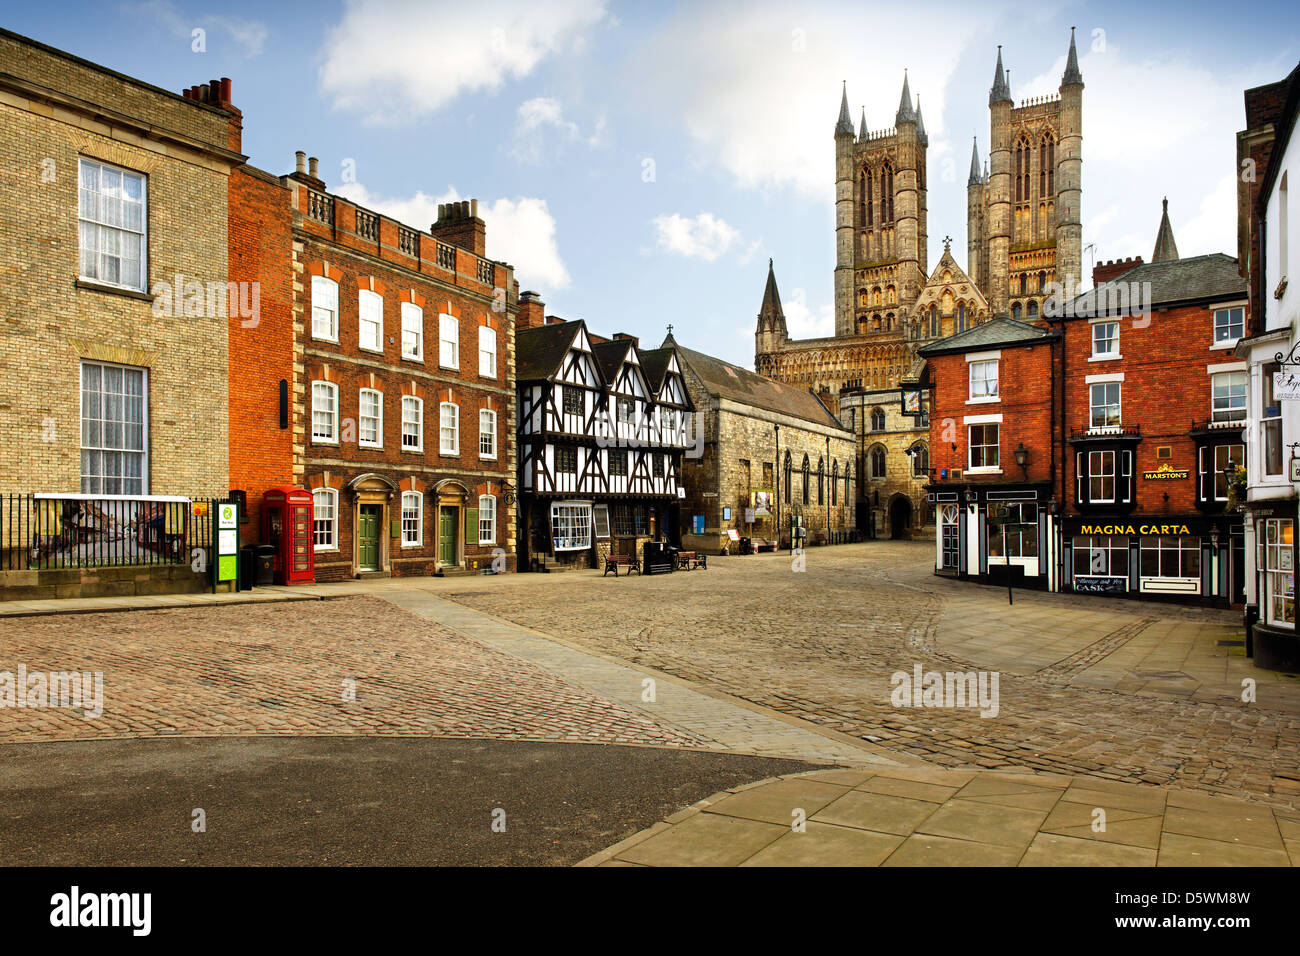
x: 450, y: 501
x: 900, y: 516
x: 372, y: 496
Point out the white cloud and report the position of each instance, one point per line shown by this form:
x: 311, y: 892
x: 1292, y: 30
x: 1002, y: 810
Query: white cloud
x: 397, y: 60
x: 542, y: 115
x: 804, y: 323
x: 757, y: 86
x: 248, y: 35
x: 519, y: 231
x: 702, y: 237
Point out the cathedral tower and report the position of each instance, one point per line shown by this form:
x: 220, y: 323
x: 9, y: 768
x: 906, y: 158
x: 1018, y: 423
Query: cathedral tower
x: 771, y: 333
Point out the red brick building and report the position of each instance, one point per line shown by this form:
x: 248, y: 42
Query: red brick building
x: 992, y: 452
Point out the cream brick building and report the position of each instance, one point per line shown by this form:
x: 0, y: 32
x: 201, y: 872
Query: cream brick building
x: 94, y: 158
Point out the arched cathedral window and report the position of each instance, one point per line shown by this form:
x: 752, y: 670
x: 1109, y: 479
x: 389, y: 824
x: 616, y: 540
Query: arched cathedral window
x: 1047, y: 166
x: 878, y: 461
x: 787, y: 477
x: 806, y: 489
x: 877, y: 419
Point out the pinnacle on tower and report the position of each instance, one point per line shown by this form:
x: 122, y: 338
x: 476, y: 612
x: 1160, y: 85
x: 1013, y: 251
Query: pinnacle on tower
x: 770, y: 315
x: 1001, y: 92
x: 1072, y: 75
x: 1166, y: 249
x: 862, y: 130
x: 974, y: 179
x: 905, y: 112
x: 845, y: 125
x: 921, y: 136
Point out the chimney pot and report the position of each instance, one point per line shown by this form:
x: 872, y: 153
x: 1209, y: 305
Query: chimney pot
x: 442, y: 210
x: 473, y: 208
x: 225, y: 89
x: 203, y: 92
x: 312, y: 166
x: 302, y: 161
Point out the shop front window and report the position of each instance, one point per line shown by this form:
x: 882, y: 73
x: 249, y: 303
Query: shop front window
x: 571, y: 526
x: 1279, y: 574
x: 1171, y: 556
x: 1013, y: 529
x: 1100, y: 555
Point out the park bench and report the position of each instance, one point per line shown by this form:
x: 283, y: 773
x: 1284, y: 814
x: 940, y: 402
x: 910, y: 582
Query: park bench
x: 762, y: 544
x: 615, y: 561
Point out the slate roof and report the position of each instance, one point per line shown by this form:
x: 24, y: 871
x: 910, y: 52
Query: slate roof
x: 610, y: 355
x: 740, y: 385
x: 654, y: 363
x: 996, y: 332
x: 1181, y: 281
x: 539, y: 350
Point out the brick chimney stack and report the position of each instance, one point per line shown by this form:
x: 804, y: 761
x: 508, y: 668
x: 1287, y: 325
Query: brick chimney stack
x: 532, y: 311
x: 459, y: 225
x: 217, y: 93
x: 1105, y: 271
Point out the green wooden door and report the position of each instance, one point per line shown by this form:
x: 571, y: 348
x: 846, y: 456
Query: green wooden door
x: 368, y: 538
x: 447, y: 536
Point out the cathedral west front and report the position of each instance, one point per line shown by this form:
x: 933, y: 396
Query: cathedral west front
x: 1024, y: 234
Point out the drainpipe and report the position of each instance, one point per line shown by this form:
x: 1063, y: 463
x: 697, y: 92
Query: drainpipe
x: 776, y: 471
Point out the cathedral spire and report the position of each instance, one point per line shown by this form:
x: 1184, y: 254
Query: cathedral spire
x: 1166, y: 249
x: 1072, y: 75
x: 974, y: 179
x: 845, y: 125
x: 921, y: 136
x: 862, y: 130
x: 905, y: 112
x: 1001, y: 92
x: 770, y: 316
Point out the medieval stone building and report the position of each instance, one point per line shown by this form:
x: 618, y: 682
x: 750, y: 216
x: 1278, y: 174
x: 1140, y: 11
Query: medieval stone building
x: 1023, y: 235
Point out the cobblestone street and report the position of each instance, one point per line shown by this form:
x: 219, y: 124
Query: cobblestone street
x: 1124, y: 690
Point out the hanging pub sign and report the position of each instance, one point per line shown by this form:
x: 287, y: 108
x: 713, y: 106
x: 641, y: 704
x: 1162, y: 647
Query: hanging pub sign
x: 1166, y: 472
x: 1286, y: 384
x: 911, y: 400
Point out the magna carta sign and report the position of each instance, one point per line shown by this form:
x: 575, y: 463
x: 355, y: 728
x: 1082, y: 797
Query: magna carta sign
x: 1165, y: 472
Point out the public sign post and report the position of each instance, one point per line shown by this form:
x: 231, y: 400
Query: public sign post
x: 225, y: 543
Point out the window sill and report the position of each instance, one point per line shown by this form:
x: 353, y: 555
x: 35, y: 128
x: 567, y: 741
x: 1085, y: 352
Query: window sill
x: 320, y: 549
x: 91, y: 285
x: 988, y: 400
x: 362, y: 444
x: 367, y: 348
x: 322, y: 338
x: 1104, y: 358
x: 487, y: 457
x: 449, y: 368
x: 984, y: 471
x: 413, y: 358
x: 325, y: 441
x: 448, y: 454
x: 414, y: 451
x: 1224, y: 346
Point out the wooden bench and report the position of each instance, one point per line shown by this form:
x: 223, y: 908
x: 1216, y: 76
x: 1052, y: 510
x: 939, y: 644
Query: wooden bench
x: 615, y: 561
x: 684, y: 559
x: 762, y: 544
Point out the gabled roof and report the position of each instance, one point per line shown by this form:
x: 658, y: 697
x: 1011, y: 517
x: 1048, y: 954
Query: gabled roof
x: 654, y: 363
x: 1181, y: 281
x: 724, y: 380
x: 996, y: 332
x: 611, y: 356
x: 540, y: 350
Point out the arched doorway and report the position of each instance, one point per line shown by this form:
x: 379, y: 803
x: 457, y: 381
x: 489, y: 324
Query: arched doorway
x: 900, y: 516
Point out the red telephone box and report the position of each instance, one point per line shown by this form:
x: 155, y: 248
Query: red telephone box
x: 287, y: 526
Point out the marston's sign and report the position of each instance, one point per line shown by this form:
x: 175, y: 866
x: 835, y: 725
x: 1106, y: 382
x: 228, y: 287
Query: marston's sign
x: 1130, y: 529
x: 1165, y: 472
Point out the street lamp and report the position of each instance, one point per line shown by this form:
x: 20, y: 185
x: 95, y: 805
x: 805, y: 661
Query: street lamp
x: 1021, y: 454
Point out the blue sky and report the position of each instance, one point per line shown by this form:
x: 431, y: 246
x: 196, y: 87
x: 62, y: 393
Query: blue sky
x: 638, y: 163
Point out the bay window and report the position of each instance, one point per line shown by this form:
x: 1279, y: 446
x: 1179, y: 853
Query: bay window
x: 1278, y: 604
x: 571, y: 526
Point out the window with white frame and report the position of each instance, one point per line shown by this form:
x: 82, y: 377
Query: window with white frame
x: 487, y: 433
x: 412, y: 423
x: 114, y: 430
x: 487, y: 519
x: 370, y: 320
x: 1103, y: 405
x: 1213, y: 461
x: 412, y: 519
x: 325, y: 412
x: 570, y: 526
x: 412, y: 331
x: 1170, y: 556
x: 449, y: 429
x: 1101, y: 476
x: 1279, y: 574
x: 324, y: 308
x: 1105, y: 340
x: 370, y: 419
x: 1100, y: 555
x: 448, y: 341
x: 984, y: 379
x: 984, y: 445
x: 325, y: 518
x: 112, y: 225
x: 1270, y: 423
x: 487, y: 351
x: 1229, y: 324
x: 1229, y: 397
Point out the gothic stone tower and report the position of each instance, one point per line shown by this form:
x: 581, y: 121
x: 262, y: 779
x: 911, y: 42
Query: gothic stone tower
x: 880, y: 220
x: 1023, y: 218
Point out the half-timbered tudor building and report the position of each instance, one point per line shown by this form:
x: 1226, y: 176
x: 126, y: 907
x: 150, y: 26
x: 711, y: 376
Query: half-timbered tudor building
x: 602, y: 430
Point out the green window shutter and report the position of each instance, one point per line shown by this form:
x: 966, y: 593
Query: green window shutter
x: 471, y: 526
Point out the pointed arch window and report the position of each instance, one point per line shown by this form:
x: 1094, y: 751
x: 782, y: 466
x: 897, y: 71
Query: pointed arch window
x: 835, y: 483
x: 821, y: 481
x: 1047, y: 166
x: 961, y: 316
x: 1022, y: 170
x: 864, y: 197
x: 877, y: 419
x: 806, y: 473
x: 787, y: 477
x: 877, y: 456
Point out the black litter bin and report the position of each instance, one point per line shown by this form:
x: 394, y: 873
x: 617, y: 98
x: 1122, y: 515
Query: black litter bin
x: 265, y: 565
x: 246, y: 573
x: 656, y: 558
x: 746, y: 545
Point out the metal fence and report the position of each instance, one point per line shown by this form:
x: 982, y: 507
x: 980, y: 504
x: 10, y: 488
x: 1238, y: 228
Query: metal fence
x: 49, y: 532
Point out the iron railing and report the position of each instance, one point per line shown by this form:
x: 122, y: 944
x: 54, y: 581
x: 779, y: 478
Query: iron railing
x: 54, y: 532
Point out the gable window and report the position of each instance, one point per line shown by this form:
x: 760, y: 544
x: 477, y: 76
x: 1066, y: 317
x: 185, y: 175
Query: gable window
x: 370, y: 419
x: 566, y: 460
x: 487, y: 351
x: 1229, y: 400
x: 618, y: 463
x: 667, y: 421
x: 984, y: 379
x: 487, y: 433
x: 448, y: 341
x: 1105, y: 340
x: 412, y: 331
x: 325, y: 519
x: 325, y: 412
x: 112, y: 223
x: 573, y: 400
x: 412, y: 423
x: 324, y: 308
x: 1229, y: 324
x: 114, y: 430
x: 370, y: 320
x: 449, y: 429
x: 487, y: 519
x: 412, y: 519
x: 983, y: 443
x: 1103, y: 405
